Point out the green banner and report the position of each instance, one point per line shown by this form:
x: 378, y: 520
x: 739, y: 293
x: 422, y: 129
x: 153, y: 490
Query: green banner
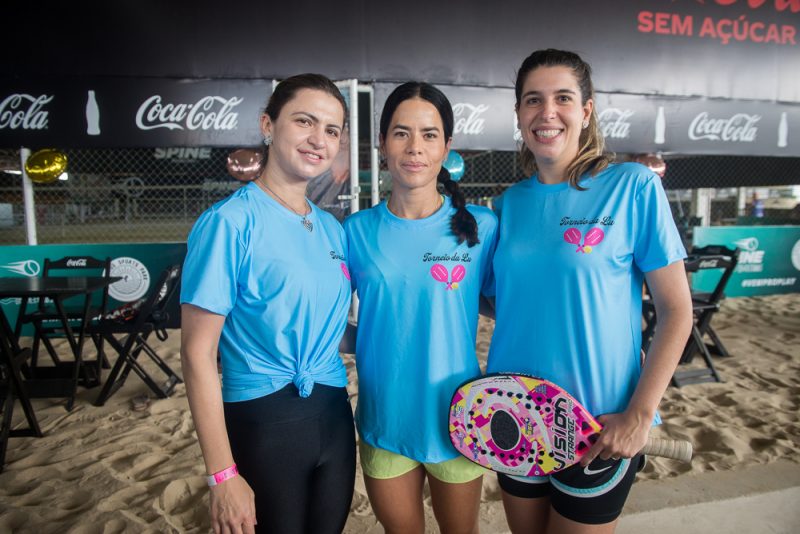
x: 139, y: 264
x: 769, y: 261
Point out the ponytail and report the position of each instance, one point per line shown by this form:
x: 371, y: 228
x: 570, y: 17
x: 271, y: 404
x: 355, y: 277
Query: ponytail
x: 462, y: 223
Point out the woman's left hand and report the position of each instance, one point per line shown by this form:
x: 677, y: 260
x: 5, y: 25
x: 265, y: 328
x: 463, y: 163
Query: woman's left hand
x: 623, y: 436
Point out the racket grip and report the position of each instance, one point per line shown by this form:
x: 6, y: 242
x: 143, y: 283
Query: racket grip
x: 677, y: 449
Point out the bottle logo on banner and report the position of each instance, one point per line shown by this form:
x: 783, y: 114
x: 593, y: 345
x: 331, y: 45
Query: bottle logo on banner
x: 92, y: 114
x: 740, y: 128
x: 783, y: 131
x: 661, y: 127
x: 24, y: 111
x: 208, y: 113
x: 468, y: 119
x: 614, y: 123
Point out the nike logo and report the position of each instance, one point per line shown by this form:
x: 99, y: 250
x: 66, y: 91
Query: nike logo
x: 590, y: 472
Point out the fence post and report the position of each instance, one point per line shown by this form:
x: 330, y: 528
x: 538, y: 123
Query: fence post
x: 27, y: 199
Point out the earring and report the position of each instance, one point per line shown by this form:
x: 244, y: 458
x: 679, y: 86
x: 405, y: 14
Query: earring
x: 585, y: 124
x: 268, y: 139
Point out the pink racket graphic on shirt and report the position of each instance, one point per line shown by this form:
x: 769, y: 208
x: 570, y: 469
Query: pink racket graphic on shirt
x: 573, y: 236
x: 592, y: 238
x: 457, y: 275
x: 440, y: 274
x: 345, y: 271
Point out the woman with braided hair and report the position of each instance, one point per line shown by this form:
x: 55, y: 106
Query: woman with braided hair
x: 419, y: 262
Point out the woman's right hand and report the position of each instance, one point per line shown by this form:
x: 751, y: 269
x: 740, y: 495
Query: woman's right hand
x: 233, y: 507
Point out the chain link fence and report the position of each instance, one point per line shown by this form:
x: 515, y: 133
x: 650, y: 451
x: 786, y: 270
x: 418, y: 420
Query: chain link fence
x: 696, y: 187
x: 156, y: 194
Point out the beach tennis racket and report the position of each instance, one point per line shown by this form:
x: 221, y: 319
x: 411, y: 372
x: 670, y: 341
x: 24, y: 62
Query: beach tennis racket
x: 527, y: 426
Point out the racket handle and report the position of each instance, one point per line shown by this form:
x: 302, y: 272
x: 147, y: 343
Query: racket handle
x: 677, y: 449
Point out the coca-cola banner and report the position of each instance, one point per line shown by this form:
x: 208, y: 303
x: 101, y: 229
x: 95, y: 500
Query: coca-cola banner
x: 485, y: 120
x: 115, y: 112
x: 636, y: 123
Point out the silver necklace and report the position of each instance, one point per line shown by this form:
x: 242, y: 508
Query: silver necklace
x: 307, y: 224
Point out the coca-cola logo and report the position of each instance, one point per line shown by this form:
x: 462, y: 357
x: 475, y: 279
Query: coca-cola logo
x: 208, y: 113
x: 468, y: 119
x: 79, y: 262
x: 24, y: 111
x: 614, y: 123
x: 740, y: 128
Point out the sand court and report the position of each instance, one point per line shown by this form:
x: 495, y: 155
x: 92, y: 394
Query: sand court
x: 115, y: 469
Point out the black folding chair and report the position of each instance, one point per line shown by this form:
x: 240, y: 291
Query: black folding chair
x: 703, y: 299
x: 704, y: 306
x: 13, y: 387
x: 46, y: 320
x: 128, y: 337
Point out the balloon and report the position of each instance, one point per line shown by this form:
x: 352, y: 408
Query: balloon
x: 654, y: 162
x: 245, y: 164
x: 454, y: 164
x: 46, y: 165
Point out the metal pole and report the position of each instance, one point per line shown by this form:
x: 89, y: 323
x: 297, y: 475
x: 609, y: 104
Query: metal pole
x: 375, y: 192
x: 355, y: 188
x: 374, y: 176
x: 27, y: 199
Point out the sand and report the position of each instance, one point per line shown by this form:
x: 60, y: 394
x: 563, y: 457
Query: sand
x: 113, y: 469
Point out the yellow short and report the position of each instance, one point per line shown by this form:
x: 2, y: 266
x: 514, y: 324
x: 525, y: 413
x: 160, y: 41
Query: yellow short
x: 382, y: 464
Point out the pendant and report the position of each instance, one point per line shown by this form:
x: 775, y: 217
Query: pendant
x: 308, y: 225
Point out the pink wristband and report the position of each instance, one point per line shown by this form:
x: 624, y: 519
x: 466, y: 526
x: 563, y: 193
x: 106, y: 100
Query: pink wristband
x: 222, y: 476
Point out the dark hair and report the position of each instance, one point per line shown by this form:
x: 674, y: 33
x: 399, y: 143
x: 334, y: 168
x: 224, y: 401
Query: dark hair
x: 462, y: 223
x: 590, y: 156
x: 288, y: 88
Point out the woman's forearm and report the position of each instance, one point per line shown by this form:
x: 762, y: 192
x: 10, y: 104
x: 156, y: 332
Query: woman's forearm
x: 674, y: 314
x: 199, y: 363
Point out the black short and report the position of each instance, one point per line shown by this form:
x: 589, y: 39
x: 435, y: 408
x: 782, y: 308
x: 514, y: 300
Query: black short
x: 299, y: 457
x: 594, y: 495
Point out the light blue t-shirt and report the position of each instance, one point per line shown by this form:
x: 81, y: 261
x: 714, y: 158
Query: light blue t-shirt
x: 284, y: 292
x: 418, y: 296
x: 569, y: 268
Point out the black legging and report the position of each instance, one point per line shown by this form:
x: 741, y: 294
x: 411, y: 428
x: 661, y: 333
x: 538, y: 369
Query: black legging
x: 299, y: 457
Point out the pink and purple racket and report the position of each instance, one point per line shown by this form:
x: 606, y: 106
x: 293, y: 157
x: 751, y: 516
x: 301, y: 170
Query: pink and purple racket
x: 527, y: 426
